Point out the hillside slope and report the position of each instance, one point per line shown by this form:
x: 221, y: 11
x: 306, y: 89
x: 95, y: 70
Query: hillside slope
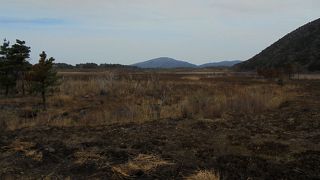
x: 301, y: 47
x: 164, y: 62
x: 220, y: 64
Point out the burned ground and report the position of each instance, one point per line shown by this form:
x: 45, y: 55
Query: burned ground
x: 281, y: 143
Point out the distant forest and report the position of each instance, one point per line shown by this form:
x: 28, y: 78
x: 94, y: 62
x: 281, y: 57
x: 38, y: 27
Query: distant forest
x: 91, y: 66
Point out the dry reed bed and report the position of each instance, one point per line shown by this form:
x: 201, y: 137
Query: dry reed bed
x: 109, y: 98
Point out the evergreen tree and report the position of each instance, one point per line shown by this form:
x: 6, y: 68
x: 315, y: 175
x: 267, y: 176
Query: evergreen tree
x: 44, y: 76
x: 7, y: 79
x: 18, y: 55
x: 14, y: 65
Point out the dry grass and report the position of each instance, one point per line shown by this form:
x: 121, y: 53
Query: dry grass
x: 142, y: 163
x: 247, y: 100
x: 204, y: 175
x: 307, y: 76
x: 90, y: 99
x: 27, y: 149
x: 86, y: 156
x: 192, y: 78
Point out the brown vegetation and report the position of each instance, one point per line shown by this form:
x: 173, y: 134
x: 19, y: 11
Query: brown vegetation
x: 163, y: 125
x: 108, y: 97
x: 204, y: 175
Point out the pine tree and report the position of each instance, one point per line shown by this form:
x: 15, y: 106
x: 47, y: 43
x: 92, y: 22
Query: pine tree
x: 18, y: 55
x: 14, y: 65
x: 7, y: 80
x: 44, y: 76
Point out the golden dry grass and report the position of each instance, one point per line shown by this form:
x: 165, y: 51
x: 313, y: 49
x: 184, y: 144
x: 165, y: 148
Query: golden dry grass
x: 204, y: 175
x: 84, y: 156
x: 90, y: 99
x: 248, y: 100
x: 143, y: 162
x: 192, y: 78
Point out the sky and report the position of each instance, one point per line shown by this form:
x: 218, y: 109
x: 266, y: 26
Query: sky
x: 130, y: 31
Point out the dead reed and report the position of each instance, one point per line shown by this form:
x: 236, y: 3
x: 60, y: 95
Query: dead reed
x: 105, y: 98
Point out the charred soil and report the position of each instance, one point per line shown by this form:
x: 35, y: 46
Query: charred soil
x: 277, y: 144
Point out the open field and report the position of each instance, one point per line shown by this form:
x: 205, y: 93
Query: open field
x: 164, y: 125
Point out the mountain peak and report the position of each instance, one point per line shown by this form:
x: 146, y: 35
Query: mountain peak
x: 164, y: 62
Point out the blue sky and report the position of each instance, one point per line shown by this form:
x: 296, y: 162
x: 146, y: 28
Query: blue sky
x: 128, y: 31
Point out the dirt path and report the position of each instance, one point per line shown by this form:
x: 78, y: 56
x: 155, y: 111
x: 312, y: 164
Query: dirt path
x: 279, y: 144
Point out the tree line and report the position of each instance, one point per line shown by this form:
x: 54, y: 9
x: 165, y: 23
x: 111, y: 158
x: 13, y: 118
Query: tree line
x: 92, y: 66
x: 19, y: 77
x: 288, y: 70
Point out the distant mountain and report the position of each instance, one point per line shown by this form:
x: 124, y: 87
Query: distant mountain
x: 164, y: 62
x: 300, y: 47
x: 220, y: 64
